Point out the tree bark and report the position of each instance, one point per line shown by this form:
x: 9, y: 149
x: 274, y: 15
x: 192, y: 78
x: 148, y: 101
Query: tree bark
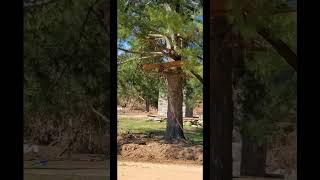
x: 174, y: 129
x: 221, y: 114
x: 253, y: 161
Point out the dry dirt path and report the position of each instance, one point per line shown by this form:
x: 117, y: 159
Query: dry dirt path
x: 148, y: 171
x: 153, y: 171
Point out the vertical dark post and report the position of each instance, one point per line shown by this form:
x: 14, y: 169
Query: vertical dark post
x: 221, y: 113
x: 113, y: 86
x: 189, y: 108
x: 147, y: 105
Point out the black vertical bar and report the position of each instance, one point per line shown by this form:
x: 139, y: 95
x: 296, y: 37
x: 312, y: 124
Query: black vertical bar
x: 113, y: 97
x: 12, y: 87
x: 206, y: 90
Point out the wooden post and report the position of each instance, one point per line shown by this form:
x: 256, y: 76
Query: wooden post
x: 221, y: 113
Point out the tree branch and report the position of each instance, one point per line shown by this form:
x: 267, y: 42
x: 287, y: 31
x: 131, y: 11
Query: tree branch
x: 142, y: 53
x: 197, y: 76
x: 101, y: 22
x: 99, y: 114
x: 168, y: 44
x: 199, y: 57
x: 284, y: 11
x: 146, y: 57
x: 281, y: 47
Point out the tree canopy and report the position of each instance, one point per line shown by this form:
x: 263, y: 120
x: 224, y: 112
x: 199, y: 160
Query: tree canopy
x: 158, y: 32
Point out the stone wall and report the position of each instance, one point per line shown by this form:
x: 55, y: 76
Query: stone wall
x: 163, y: 104
x: 236, y: 153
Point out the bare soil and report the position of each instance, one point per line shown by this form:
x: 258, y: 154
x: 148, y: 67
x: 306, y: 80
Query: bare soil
x: 151, y: 148
x: 147, y: 171
x: 155, y: 171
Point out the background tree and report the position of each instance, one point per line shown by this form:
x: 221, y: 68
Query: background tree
x: 164, y: 31
x: 262, y: 27
x: 193, y: 94
x: 66, y: 72
x: 268, y: 31
x: 135, y: 84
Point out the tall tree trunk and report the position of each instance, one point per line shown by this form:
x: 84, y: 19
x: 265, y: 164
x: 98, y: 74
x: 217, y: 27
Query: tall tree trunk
x: 174, y: 130
x: 221, y: 115
x: 253, y: 161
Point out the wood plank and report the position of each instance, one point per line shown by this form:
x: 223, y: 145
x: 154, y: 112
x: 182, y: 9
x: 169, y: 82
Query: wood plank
x: 163, y: 66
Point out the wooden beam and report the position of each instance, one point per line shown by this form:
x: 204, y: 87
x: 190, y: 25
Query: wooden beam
x: 163, y: 66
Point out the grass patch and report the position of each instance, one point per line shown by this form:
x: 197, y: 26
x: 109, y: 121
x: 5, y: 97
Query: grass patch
x: 132, y: 125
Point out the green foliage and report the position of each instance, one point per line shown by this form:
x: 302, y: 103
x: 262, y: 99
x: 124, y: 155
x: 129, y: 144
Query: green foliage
x: 194, y: 89
x: 134, y: 82
x: 267, y: 97
x: 66, y: 62
x: 141, y: 21
x: 250, y: 101
x: 150, y: 29
x: 266, y: 84
x: 250, y: 15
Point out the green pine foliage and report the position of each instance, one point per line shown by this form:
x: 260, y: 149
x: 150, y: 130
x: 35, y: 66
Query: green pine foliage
x: 268, y: 87
x: 146, y: 28
x: 66, y: 63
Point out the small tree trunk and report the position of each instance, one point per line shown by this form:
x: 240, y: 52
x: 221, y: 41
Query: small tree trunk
x: 253, y: 161
x: 189, y: 111
x: 174, y: 130
x: 189, y: 108
x: 147, y: 106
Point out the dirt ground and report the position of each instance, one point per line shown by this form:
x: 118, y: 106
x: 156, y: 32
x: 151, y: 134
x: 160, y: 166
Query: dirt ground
x: 147, y: 156
x: 147, y: 171
x: 155, y: 171
x: 150, y: 148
